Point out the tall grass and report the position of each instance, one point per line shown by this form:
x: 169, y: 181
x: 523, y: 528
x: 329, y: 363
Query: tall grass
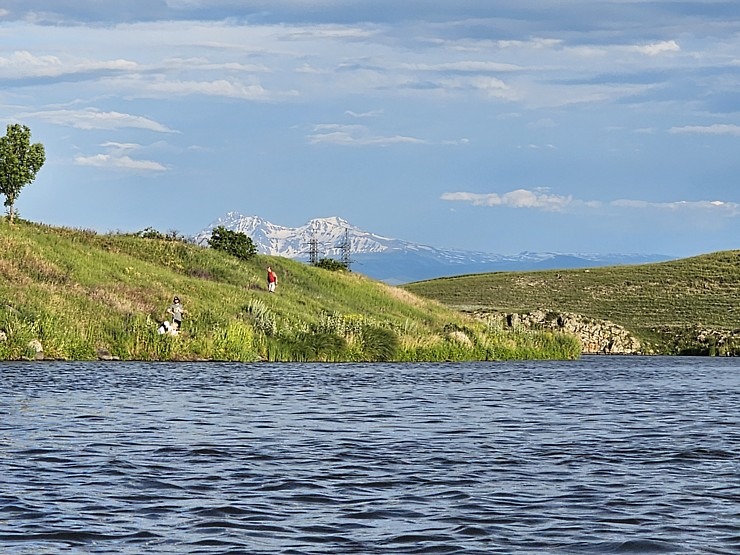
x: 83, y: 295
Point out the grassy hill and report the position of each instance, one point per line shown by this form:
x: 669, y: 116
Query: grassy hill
x: 655, y: 301
x: 81, y: 295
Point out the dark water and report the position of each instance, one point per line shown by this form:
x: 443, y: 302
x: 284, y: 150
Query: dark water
x: 600, y: 455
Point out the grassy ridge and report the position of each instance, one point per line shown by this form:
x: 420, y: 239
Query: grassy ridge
x: 646, y: 299
x: 80, y: 293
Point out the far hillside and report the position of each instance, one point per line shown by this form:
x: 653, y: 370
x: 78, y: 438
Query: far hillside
x: 651, y: 300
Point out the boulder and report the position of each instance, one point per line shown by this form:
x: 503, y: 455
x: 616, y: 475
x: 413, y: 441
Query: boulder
x: 104, y: 354
x: 37, y: 348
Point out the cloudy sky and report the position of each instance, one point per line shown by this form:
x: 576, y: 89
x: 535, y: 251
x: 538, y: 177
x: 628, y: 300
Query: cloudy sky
x: 601, y: 126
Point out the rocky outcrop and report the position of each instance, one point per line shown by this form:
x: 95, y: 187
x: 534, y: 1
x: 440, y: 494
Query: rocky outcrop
x: 605, y: 337
x: 596, y: 336
x: 700, y: 341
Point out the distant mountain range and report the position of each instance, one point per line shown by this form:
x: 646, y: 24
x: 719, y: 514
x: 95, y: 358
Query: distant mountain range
x: 396, y: 261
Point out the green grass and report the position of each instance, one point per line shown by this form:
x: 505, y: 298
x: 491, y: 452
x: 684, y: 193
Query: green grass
x: 81, y: 293
x: 651, y: 300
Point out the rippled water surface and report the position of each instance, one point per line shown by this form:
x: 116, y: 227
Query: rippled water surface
x: 599, y: 455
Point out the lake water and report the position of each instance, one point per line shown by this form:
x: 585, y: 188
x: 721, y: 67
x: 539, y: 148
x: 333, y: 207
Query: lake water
x: 599, y: 455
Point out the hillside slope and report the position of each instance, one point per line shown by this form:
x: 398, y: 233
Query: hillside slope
x: 79, y: 295
x: 652, y: 300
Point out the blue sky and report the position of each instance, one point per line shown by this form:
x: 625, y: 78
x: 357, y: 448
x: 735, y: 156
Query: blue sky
x: 502, y: 126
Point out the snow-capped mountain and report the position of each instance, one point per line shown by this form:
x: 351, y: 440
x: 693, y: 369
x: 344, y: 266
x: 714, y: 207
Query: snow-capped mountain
x: 295, y: 242
x: 395, y: 260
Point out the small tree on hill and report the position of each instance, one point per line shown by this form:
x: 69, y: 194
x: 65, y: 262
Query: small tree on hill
x: 20, y: 161
x: 235, y: 243
x: 332, y: 265
x: 151, y: 233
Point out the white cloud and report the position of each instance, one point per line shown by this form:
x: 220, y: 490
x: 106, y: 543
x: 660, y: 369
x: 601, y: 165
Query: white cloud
x: 220, y: 87
x: 537, y: 200
x: 201, y: 58
x: 657, y: 48
x: 535, y: 146
x: 520, y: 198
x: 536, y: 43
x: 355, y: 135
x: 490, y: 87
x: 730, y: 209
x: 311, y: 70
x: 715, y: 129
x: 164, y: 87
x: 203, y: 64
x: 371, y: 114
x: 463, y: 141
x: 118, y: 159
x: 600, y: 51
x: 327, y: 32
x: 24, y: 64
x: 118, y: 162
x: 473, y: 66
x: 92, y: 118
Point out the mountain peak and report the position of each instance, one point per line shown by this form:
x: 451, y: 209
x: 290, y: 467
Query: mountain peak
x: 329, y: 233
x: 331, y: 220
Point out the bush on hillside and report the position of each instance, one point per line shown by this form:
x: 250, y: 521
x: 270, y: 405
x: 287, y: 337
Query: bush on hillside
x: 332, y: 265
x: 379, y: 344
x: 151, y: 233
x: 234, y: 243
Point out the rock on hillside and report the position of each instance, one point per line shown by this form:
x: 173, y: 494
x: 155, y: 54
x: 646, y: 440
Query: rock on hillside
x: 596, y: 336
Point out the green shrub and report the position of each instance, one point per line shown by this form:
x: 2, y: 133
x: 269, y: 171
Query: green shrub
x: 234, y: 243
x: 233, y: 342
x: 262, y: 317
x: 379, y: 344
x: 151, y: 233
x: 332, y: 265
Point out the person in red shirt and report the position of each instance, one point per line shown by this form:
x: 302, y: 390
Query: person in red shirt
x: 271, y: 280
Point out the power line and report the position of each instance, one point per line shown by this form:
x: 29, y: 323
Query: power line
x: 346, y: 250
x: 313, y: 249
